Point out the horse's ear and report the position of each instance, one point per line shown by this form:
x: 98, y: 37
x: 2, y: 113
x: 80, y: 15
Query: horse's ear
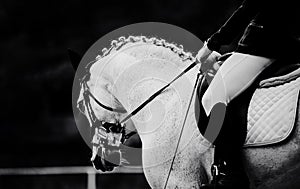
x: 75, y: 58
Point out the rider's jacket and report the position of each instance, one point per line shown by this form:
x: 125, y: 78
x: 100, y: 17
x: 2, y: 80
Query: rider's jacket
x: 270, y: 29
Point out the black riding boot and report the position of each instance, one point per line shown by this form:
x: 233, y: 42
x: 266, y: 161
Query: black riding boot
x: 227, y: 169
x: 227, y: 174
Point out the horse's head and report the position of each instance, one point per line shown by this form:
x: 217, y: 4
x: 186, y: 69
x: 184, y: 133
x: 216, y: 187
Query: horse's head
x: 103, y: 111
x: 109, y: 90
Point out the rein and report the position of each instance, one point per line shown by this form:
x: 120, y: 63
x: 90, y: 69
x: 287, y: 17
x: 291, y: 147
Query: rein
x: 182, y: 127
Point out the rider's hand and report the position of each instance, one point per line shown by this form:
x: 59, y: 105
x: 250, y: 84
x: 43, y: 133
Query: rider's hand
x: 203, y: 53
x: 211, y: 64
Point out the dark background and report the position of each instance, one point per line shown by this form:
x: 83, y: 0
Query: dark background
x: 36, y: 121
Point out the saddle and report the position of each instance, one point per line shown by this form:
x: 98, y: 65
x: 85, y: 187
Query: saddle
x: 267, y: 109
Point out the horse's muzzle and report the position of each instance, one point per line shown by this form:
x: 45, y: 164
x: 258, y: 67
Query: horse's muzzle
x: 107, y: 163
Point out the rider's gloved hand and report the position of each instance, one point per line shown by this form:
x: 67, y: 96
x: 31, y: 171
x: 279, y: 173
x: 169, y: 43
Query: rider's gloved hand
x: 208, y: 60
x: 203, y: 53
x: 212, y: 64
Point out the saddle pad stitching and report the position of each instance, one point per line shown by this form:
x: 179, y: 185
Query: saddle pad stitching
x: 276, y: 140
x: 267, y: 115
x: 277, y: 126
x: 260, y: 113
x: 258, y: 117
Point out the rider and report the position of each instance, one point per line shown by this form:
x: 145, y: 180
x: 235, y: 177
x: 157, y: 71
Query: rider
x: 270, y: 33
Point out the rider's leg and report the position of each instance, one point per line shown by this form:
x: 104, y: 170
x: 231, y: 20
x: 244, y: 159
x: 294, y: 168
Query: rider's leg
x: 235, y: 75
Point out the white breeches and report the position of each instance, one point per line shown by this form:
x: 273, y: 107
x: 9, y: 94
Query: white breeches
x: 235, y: 75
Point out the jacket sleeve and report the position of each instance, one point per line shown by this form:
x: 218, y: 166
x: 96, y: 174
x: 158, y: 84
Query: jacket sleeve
x: 234, y: 25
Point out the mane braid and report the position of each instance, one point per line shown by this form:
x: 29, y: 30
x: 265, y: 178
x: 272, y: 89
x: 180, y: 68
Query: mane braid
x: 122, y: 41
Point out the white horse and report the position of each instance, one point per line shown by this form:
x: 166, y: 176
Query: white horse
x: 131, y: 71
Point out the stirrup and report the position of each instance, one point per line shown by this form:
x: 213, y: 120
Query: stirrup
x: 214, y: 173
x: 216, y: 170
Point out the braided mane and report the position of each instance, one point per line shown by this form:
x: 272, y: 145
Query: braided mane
x: 122, y: 41
x: 116, y: 45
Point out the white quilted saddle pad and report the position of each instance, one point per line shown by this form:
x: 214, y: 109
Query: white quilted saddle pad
x: 272, y: 110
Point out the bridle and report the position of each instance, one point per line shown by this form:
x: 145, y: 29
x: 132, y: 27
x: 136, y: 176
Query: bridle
x: 87, y: 93
x: 95, y: 122
x: 120, y: 126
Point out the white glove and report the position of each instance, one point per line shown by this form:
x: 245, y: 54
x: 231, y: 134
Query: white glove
x: 212, y: 60
x: 203, y: 53
x: 212, y: 65
x: 207, y: 58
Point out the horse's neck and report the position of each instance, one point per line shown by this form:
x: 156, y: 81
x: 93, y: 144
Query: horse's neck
x: 161, y: 120
x: 159, y: 125
x: 136, y: 76
x: 153, y: 121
